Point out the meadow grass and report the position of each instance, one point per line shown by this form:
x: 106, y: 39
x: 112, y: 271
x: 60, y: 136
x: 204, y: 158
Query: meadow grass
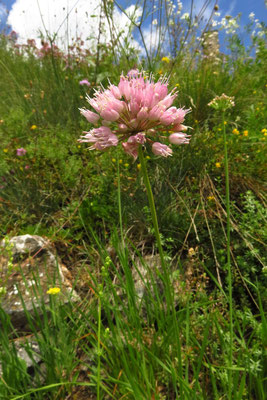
x: 199, y: 331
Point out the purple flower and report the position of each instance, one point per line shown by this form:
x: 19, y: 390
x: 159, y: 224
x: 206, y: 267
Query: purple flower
x: 21, y: 152
x: 85, y: 82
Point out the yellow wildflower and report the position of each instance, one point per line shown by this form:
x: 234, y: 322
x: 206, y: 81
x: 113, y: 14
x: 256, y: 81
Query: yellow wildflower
x: 218, y: 165
x: 147, y: 157
x: 254, y: 91
x: 33, y: 127
x: 211, y: 198
x: 245, y: 133
x: 5, y: 150
x: 235, y: 131
x: 225, y: 122
x: 219, y: 129
x: 54, y: 290
x: 113, y: 159
x: 166, y: 59
x: 264, y: 130
x: 1, y: 121
x: 120, y: 161
x: 126, y: 165
x: 139, y: 166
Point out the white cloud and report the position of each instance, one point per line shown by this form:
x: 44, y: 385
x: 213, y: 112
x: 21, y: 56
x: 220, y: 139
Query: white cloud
x: 67, y: 19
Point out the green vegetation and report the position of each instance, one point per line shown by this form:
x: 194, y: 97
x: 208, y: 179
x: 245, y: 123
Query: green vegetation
x: 111, y: 345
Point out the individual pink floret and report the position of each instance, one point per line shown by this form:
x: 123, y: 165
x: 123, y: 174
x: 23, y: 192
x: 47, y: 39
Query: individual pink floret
x: 179, y: 138
x: 101, y: 137
x: 90, y: 116
x: 160, y: 149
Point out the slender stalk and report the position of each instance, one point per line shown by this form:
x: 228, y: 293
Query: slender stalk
x: 227, y: 190
x: 98, y: 348
x: 119, y: 200
x: 152, y: 206
x: 168, y: 286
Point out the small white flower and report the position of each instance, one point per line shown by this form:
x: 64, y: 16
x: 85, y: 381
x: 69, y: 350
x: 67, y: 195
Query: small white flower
x: 185, y: 16
x: 251, y: 16
x: 155, y: 21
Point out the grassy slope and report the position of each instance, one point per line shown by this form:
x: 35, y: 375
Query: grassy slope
x: 60, y: 190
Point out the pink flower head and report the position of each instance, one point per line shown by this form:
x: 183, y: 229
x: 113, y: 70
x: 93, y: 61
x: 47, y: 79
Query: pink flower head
x: 161, y: 149
x: 85, y: 82
x: 21, y: 152
x: 135, y: 111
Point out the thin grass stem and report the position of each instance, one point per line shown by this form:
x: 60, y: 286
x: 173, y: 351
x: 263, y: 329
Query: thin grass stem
x: 98, y: 349
x: 152, y: 206
x: 227, y: 190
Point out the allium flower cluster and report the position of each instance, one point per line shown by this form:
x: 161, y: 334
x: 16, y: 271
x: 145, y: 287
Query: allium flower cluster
x: 136, y: 111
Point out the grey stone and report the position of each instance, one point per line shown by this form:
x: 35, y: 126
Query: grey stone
x: 34, y: 269
x: 27, y: 350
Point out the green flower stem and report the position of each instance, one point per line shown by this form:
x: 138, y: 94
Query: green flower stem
x: 152, y: 206
x: 119, y: 198
x: 98, y: 348
x: 167, y: 282
x: 227, y: 189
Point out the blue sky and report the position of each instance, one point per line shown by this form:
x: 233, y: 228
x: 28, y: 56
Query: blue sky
x: 226, y: 7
